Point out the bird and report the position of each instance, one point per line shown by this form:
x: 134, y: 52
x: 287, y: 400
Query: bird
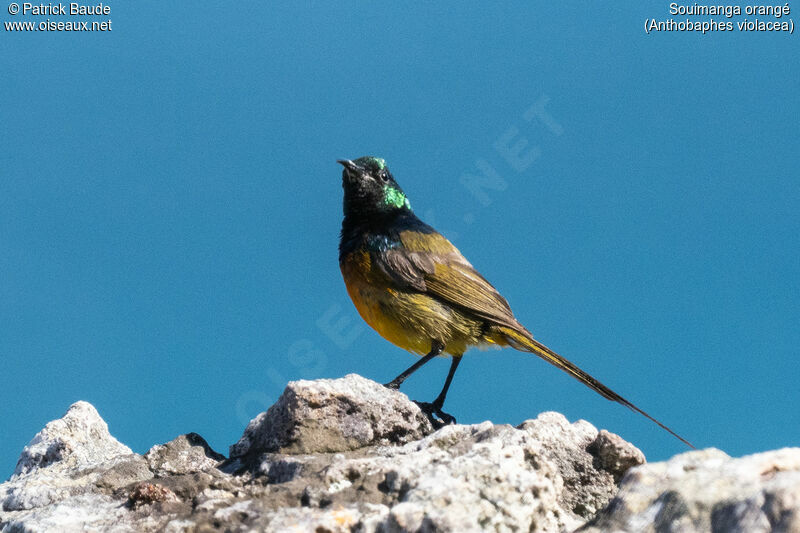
x: 412, y: 286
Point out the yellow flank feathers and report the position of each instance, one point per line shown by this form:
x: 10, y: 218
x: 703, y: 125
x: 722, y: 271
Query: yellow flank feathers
x: 407, y: 319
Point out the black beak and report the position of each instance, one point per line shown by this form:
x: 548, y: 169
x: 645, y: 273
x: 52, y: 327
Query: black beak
x: 349, y: 165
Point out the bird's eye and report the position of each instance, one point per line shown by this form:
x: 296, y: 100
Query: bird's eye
x: 383, y: 176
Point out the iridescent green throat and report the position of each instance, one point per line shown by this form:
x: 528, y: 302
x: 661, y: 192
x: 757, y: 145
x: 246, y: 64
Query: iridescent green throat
x: 395, y: 197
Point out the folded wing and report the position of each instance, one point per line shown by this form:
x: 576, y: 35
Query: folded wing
x: 429, y: 263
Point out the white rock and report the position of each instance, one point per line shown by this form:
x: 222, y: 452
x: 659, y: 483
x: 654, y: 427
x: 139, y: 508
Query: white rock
x: 708, y: 491
x: 79, y: 439
x: 84, y: 512
x: 330, y: 415
x: 67, y: 458
x: 331, y: 455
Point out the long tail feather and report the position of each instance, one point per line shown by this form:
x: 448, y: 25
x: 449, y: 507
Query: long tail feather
x: 526, y: 343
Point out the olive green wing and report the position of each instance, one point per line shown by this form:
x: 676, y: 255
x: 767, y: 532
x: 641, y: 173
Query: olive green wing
x: 429, y: 263
x: 463, y: 286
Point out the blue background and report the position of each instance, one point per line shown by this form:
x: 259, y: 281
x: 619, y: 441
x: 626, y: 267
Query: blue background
x: 170, y: 208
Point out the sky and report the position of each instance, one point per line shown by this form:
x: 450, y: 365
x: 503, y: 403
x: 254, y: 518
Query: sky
x: 170, y: 207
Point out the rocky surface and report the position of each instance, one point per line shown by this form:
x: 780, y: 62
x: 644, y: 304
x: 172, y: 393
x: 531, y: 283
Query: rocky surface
x: 350, y: 455
x: 333, y: 415
x: 708, y: 491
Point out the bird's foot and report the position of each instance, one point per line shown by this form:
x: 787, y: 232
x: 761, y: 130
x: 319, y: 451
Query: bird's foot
x: 437, y: 417
x: 394, y: 385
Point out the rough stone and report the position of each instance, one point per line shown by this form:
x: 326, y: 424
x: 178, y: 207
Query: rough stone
x: 708, y: 491
x: 349, y: 455
x: 615, y: 455
x: 79, y: 439
x: 71, y: 456
x: 333, y: 415
x: 150, y: 493
x: 184, y: 455
x: 582, y: 456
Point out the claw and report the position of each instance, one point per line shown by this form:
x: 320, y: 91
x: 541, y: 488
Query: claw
x: 437, y: 417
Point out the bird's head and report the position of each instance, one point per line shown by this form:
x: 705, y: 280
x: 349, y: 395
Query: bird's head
x: 370, y: 189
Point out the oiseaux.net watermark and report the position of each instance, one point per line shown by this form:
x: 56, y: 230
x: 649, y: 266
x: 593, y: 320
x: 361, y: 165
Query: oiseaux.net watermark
x: 59, y: 17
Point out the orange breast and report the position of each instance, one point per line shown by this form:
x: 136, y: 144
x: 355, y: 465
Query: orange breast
x: 380, y: 305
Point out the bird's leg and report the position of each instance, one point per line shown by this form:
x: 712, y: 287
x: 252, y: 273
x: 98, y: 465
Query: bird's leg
x: 439, y: 401
x: 436, y: 349
x: 435, y: 408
